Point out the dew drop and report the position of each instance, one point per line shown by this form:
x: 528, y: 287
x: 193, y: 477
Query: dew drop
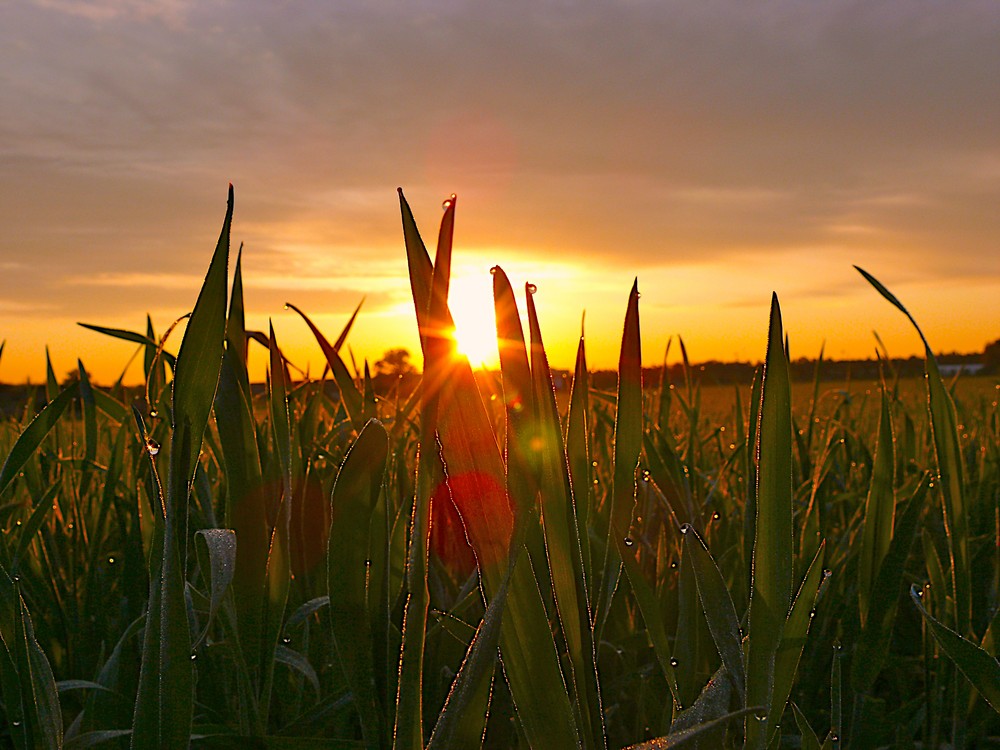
x: 18, y: 523
x: 286, y: 640
x: 629, y: 541
x: 287, y: 306
x: 153, y: 413
x: 194, y: 656
x: 111, y: 561
x: 685, y: 527
x: 716, y: 516
x: 531, y: 288
x: 152, y: 447
x: 673, y: 661
x: 673, y: 565
x: 493, y: 271
x: 446, y: 205
x: 16, y: 723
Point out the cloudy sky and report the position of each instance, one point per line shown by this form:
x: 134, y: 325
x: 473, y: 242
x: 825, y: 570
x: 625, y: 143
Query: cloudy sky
x: 718, y: 150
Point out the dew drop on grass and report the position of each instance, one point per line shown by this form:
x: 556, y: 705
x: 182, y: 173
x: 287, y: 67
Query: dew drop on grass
x: 16, y: 723
x: 152, y: 447
x: 685, y: 527
x: 629, y: 541
x: 287, y: 306
x: 673, y: 661
x: 111, y: 561
x: 194, y: 656
x: 153, y: 413
x: 286, y: 640
x: 531, y: 288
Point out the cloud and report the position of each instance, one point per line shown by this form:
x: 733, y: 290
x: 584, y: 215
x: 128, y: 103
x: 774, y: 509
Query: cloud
x: 640, y: 134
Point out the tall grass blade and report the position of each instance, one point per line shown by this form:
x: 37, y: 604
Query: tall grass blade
x: 874, y: 644
x: 628, y: 443
x: 354, y: 497
x: 981, y: 669
x: 578, y: 458
x: 720, y: 612
x: 165, y: 700
x: 462, y: 721
x: 562, y: 546
x: 948, y: 456
x: 31, y: 703
x: 880, y: 507
x: 519, y: 400
x: 217, y: 548
x: 349, y: 395
x: 793, y: 640
x: 771, y: 590
x: 32, y: 435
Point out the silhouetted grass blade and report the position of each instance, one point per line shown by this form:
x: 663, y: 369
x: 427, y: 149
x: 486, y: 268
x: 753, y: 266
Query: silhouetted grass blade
x: 562, y: 546
x: 981, y: 669
x: 720, y: 612
x: 628, y: 443
x: 165, y: 701
x: 874, y: 643
x: 355, y: 494
x: 31, y: 703
x: 948, y: 455
x: 350, y: 397
x: 32, y: 436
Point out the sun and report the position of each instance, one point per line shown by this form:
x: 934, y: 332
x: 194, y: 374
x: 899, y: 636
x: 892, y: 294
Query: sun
x: 471, y: 304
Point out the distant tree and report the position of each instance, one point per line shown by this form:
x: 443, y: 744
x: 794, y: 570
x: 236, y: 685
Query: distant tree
x: 395, y: 363
x: 991, y: 357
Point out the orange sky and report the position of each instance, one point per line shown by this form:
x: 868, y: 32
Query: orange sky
x: 717, y: 151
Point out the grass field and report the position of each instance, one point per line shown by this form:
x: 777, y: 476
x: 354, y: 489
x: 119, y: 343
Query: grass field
x: 666, y: 565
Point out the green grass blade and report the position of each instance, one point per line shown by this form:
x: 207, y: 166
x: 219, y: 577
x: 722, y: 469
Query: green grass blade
x: 720, y: 612
x: 354, y: 497
x: 578, y: 458
x: 27, y: 685
x: 771, y: 591
x: 880, y: 507
x: 165, y: 700
x: 948, y: 456
x: 793, y: 640
x: 349, y: 394
x: 217, y: 548
x: 981, y: 669
x: 89, y: 415
x: 519, y: 400
x: 419, y: 263
x: 874, y: 644
x: 136, y: 338
x: 462, y: 722
x: 245, y: 503
x: 628, y: 443
x: 562, y: 545
x: 32, y: 435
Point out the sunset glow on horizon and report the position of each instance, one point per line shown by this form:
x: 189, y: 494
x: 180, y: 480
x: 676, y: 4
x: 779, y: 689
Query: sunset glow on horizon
x: 715, y: 151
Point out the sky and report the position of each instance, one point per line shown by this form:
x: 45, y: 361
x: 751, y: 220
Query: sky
x: 716, y: 150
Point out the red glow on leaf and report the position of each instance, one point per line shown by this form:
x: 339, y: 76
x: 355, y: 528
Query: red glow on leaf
x: 477, y: 512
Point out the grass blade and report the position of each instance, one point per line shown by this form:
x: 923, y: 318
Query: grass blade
x: 771, y: 591
x: 32, y: 435
x: 981, y: 669
x: 720, y: 612
x: 873, y: 645
x: 948, y: 456
x: 355, y: 494
x: 349, y: 394
x: 562, y: 546
x: 165, y: 701
x: 628, y: 443
x: 27, y: 685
